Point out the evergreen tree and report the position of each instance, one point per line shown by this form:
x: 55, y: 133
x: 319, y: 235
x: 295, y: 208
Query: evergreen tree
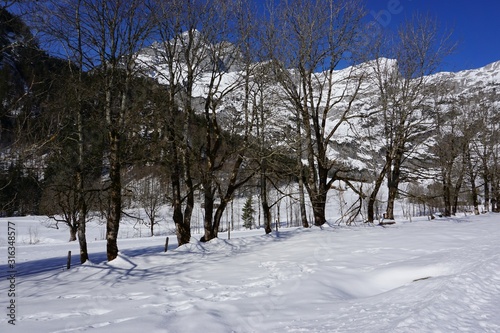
x: 248, y: 212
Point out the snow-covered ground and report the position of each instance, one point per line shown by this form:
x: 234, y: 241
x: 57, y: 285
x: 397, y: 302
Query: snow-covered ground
x: 420, y: 276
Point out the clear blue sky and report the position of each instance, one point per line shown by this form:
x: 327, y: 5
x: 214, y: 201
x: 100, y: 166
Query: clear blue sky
x: 475, y: 25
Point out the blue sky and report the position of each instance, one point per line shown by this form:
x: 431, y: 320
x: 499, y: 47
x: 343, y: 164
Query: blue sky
x: 475, y: 25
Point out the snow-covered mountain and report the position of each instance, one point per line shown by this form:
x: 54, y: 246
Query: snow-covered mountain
x: 473, y: 80
x: 203, y: 56
x: 227, y: 60
x: 355, y: 140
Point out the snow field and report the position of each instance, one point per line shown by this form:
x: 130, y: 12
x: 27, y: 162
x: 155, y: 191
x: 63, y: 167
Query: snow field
x: 424, y: 276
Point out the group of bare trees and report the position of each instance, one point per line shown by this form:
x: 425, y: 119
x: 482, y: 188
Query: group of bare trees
x: 466, y: 151
x: 196, y: 43
x: 404, y: 86
x: 312, y: 38
x: 214, y: 95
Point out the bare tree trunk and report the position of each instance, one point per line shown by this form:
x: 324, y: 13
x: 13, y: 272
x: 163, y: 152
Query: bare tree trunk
x: 184, y: 231
x: 188, y: 209
x: 217, y: 152
x: 115, y: 197
x: 152, y: 221
x: 404, y: 90
x: 373, y: 196
x: 261, y: 131
x: 82, y: 210
x: 447, y: 195
x: 318, y: 202
x: 182, y: 224
x: 459, y: 183
x: 456, y: 196
x: 265, y: 205
x: 323, y: 32
x: 82, y: 239
x: 475, y: 201
x: 472, y: 178
x: 72, y: 233
x: 302, y: 197
x: 486, y: 180
x: 218, y: 216
x: 497, y: 200
x: 233, y: 185
x: 210, y: 233
x: 495, y: 186
x: 393, y: 183
x: 393, y: 190
x: 80, y: 181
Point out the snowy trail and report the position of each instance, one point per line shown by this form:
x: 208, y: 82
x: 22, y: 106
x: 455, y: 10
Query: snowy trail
x: 436, y: 276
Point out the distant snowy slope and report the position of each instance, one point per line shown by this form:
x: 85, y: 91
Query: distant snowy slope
x: 355, y: 143
x: 469, y: 81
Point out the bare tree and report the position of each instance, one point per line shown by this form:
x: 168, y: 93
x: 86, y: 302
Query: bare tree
x: 449, y: 148
x: 273, y: 141
x: 5, y: 4
x: 307, y: 41
x: 117, y: 31
x: 486, y: 144
x: 493, y: 130
x: 471, y: 128
x: 73, y: 40
x: 224, y: 163
x: 197, y: 52
x: 60, y: 203
x: 404, y: 87
x: 103, y: 38
x: 150, y: 194
x: 179, y: 60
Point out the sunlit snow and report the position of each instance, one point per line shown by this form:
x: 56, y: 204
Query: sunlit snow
x: 421, y: 276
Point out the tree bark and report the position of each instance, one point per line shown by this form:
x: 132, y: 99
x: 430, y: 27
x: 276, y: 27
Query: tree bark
x: 486, y: 186
x: 182, y: 222
x: 458, y: 184
x: 373, y: 196
x: 80, y: 181
x: 394, y: 177
x: 266, y: 210
x: 82, y: 239
x: 318, y: 202
x: 72, y: 232
x: 472, y: 179
x: 115, y: 198
x: 447, y: 195
x: 210, y: 233
x: 302, y: 199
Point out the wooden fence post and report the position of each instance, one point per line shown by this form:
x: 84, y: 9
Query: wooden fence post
x: 166, y: 244
x: 68, y: 263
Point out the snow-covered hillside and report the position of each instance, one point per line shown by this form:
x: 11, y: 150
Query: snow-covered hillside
x: 356, y: 142
x: 474, y: 79
x: 423, y: 276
